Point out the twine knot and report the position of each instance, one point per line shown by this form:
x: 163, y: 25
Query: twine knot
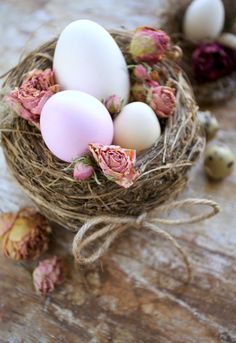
x: 100, y: 232
x: 139, y: 222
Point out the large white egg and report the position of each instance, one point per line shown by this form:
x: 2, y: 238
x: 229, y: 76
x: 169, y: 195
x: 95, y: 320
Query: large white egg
x: 204, y: 19
x: 136, y: 127
x: 88, y: 59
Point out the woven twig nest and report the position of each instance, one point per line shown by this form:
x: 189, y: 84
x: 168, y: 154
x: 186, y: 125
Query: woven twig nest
x: 170, y: 19
x: 49, y: 182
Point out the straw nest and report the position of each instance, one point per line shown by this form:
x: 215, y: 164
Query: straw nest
x: 49, y: 182
x: 170, y: 18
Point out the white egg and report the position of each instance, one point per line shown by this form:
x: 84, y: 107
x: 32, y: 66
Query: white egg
x: 203, y: 19
x: 228, y: 39
x: 88, y: 59
x: 136, y: 127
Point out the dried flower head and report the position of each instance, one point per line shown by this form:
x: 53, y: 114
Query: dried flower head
x: 155, y: 75
x: 24, y: 235
x: 149, y: 45
x: 142, y: 72
x: 48, y: 274
x: 33, y: 93
x: 162, y: 100
x: 212, y: 61
x: 82, y: 171
x: 117, y: 164
x: 113, y: 104
x: 139, y: 90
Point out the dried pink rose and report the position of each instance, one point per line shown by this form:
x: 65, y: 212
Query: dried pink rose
x: 33, y: 93
x: 49, y: 274
x: 24, y: 235
x: 139, y: 90
x: 113, y: 104
x: 116, y: 163
x: 162, y: 100
x: 141, y: 72
x: 149, y: 45
x: 82, y: 171
x: 152, y: 83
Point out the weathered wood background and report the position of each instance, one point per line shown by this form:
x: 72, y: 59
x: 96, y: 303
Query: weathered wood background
x: 134, y: 294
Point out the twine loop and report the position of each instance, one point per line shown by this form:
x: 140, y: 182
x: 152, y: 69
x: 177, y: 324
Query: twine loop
x: 103, y: 230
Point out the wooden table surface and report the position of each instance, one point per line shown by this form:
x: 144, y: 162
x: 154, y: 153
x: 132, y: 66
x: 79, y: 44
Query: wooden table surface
x: 134, y: 294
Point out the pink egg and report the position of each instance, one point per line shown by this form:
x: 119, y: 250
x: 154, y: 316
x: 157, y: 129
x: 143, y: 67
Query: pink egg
x: 70, y: 120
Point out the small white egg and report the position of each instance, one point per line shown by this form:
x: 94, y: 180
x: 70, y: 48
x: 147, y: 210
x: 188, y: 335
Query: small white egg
x: 136, y: 127
x: 228, y: 39
x: 204, y: 19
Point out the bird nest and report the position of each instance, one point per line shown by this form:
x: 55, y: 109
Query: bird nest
x: 170, y: 19
x: 49, y: 182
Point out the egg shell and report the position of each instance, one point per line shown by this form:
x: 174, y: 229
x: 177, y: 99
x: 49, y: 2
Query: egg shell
x: 219, y: 161
x: 209, y: 124
x: 203, y: 19
x: 88, y: 59
x: 228, y: 39
x: 136, y: 127
x: 70, y: 120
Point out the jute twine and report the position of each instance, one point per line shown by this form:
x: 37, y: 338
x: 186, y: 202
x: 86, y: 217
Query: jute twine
x: 170, y: 18
x: 103, y: 208
x: 108, y: 228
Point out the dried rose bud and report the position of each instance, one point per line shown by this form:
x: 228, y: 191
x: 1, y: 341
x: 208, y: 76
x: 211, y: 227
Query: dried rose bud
x: 152, y: 84
x: 149, y: 45
x: 24, y: 235
x: 82, y: 171
x: 141, y: 72
x: 175, y: 53
x: 155, y: 75
x: 113, y: 104
x: 49, y: 274
x: 162, y: 100
x: 139, y: 91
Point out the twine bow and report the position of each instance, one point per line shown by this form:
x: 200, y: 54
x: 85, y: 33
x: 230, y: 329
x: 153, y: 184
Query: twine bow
x: 109, y: 227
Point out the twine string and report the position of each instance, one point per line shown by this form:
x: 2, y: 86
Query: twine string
x: 109, y: 227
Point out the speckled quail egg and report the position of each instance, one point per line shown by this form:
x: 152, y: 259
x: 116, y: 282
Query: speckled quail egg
x: 209, y: 123
x: 219, y: 161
